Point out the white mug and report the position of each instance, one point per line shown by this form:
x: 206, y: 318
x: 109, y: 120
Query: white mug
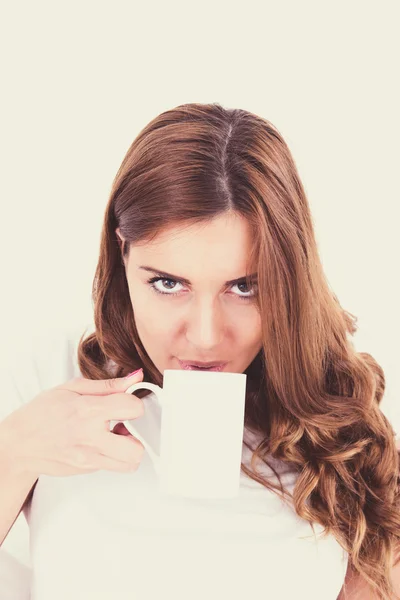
x: 201, y: 437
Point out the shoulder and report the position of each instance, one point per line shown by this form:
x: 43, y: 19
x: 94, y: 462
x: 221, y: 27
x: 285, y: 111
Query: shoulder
x: 40, y: 358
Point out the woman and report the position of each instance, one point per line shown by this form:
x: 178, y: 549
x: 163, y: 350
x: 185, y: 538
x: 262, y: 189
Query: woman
x: 208, y: 254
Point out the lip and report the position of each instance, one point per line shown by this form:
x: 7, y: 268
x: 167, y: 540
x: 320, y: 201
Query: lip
x: 189, y: 364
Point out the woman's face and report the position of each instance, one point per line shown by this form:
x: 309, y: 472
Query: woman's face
x: 188, y: 311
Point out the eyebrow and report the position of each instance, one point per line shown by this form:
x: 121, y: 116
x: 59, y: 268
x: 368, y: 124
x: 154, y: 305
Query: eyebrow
x: 252, y: 277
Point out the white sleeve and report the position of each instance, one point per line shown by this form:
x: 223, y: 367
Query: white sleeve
x: 15, y: 577
x: 35, y: 362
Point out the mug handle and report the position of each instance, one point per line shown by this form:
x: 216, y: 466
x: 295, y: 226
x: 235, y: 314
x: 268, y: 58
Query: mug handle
x: 156, y: 389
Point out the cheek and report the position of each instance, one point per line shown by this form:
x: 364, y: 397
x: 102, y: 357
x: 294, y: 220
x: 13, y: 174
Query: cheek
x: 158, y: 327
x: 249, y: 324
x: 152, y: 321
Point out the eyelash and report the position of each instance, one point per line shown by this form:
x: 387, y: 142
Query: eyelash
x: 153, y: 280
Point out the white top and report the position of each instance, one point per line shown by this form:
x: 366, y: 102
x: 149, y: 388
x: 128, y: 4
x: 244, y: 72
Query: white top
x: 151, y: 546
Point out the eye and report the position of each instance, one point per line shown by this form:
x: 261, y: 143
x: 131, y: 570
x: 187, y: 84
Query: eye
x: 250, y: 294
x: 155, y: 280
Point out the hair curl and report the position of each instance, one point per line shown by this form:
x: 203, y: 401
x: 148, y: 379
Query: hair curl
x: 312, y: 397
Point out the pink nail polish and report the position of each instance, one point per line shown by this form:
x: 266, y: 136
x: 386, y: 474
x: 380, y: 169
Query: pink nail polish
x: 133, y: 373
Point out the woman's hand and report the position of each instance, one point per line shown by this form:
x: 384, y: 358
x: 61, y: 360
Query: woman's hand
x: 66, y: 430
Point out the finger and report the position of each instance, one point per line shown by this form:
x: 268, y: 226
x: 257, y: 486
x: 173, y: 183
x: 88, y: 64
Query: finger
x: 87, y: 463
x: 121, y: 448
x: 115, y: 407
x: 109, y: 464
x: 100, y: 387
x: 101, y: 463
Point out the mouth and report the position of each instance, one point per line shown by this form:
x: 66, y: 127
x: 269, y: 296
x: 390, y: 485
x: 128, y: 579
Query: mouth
x: 200, y: 366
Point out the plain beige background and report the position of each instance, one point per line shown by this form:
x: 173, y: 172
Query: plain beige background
x: 81, y: 79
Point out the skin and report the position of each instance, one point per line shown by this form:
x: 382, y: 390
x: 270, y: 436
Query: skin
x: 206, y: 320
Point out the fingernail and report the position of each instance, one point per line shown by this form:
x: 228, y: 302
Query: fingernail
x: 133, y: 373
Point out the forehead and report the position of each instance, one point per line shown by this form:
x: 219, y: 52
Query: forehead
x: 220, y: 246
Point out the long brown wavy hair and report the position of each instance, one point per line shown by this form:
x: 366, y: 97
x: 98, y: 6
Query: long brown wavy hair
x: 312, y: 397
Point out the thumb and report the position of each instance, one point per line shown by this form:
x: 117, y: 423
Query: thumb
x: 102, y: 387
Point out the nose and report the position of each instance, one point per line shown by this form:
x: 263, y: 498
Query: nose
x: 204, y: 329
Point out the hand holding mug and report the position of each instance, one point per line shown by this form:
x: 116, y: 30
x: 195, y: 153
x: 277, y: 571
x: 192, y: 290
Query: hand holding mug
x: 65, y: 430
